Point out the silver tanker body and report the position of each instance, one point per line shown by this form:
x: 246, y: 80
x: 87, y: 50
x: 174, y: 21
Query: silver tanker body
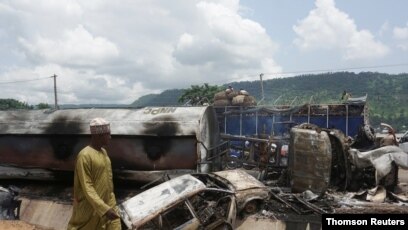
x: 146, y: 139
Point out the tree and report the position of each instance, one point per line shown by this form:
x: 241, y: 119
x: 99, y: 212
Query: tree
x: 198, y: 95
x: 6, y: 104
x: 43, y: 106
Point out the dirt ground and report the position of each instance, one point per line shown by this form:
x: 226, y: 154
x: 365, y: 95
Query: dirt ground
x: 251, y: 221
x: 403, y: 176
x: 18, y: 225
x: 402, y: 182
x: 257, y: 222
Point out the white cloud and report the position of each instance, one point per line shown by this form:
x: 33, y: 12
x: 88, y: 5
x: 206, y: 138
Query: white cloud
x: 226, y: 41
x: 326, y: 27
x: 362, y: 46
x: 73, y: 86
x: 66, y: 7
x: 401, y: 35
x: 117, y: 51
x: 384, y: 28
x: 77, y: 47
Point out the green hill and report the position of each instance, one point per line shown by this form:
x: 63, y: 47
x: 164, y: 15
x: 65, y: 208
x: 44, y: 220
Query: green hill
x: 387, y: 93
x: 166, y: 98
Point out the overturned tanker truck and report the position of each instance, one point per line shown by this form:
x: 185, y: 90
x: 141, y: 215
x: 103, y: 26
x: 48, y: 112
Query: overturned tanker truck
x: 43, y: 144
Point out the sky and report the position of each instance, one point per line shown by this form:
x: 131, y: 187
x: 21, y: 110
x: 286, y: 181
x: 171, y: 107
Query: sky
x: 108, y: 52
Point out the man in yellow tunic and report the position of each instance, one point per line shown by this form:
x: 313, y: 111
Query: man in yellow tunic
x: 94, y: 205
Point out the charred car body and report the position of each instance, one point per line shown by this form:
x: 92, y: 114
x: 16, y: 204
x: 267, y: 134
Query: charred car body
x: 209, y: 201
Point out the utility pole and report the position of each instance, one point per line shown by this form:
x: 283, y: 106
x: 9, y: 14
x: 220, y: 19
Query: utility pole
x: 55, y: 91
x: 262, y: 89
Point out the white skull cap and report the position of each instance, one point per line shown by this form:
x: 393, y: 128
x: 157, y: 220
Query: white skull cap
x: 99, y: 126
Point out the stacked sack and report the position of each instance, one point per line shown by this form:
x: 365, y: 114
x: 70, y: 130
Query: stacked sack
x: 235, y: 98
x: 243, y: 99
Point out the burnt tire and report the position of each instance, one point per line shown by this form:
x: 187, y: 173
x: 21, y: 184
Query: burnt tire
x: 369, y: 133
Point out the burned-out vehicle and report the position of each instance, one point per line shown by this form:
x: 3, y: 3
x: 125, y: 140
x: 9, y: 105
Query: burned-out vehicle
x: 193, y: 201
x: 307, y: 147
x: 321, y: 158
x: 268, y: 129
x: 317, y: 158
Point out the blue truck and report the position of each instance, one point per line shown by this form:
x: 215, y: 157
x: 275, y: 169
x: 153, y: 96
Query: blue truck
x: 277, y: 120
x: 262, y: 137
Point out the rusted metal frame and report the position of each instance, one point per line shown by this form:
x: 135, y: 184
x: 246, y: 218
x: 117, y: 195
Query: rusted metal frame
x: 240, y: 120
x: 258, y: 164
x: 228, y: 136
x: 347, y: 119
x: 215, y: 147
x: 218, y: 155
x: 285, y: 202
x: 191, y: 208
x: 225, y: 120
x: 309, y: 108
x: 273, y: 125
x: 250, y: 163
x: 310, y: 205
x: 269, y: 153
x: 268, y: 141
x: 256, y: 122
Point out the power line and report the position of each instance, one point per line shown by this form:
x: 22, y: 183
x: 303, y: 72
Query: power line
x: 34, y: 79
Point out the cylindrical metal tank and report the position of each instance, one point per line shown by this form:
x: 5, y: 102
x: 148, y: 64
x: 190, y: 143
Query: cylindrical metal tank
x: 310, y: 158
x: 151, y: 138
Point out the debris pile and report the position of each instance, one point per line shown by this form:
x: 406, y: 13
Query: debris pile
x: 9, y: 204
